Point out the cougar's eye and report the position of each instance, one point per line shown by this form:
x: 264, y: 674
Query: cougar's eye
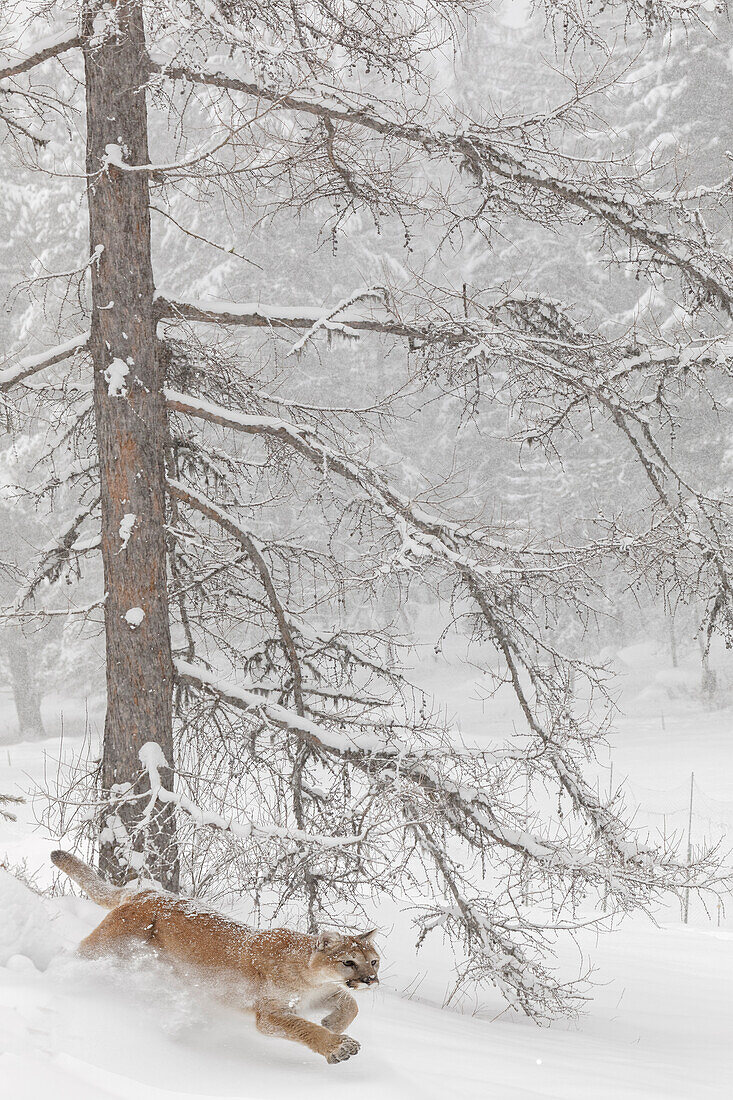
x: 349, y: 962
x: 375, y: 962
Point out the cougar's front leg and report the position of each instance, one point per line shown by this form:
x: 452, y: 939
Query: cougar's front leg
x: 275, y: 1020
x: 343, y: 1007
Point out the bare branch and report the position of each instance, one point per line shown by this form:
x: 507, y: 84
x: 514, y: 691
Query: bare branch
x: 248, y: 542
x: 55, y: 554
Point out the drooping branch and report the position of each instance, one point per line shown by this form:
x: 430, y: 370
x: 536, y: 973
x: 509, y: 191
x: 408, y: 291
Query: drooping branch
x: 427, y: 533
x: 279, y: 716
x: 514, y: 967
x: 56, y: 553
x: 153, y: 760
x: 423, y: 535
x: 434, y: 770
x: 254, y: 552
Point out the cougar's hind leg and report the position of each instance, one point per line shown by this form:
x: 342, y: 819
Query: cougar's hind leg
x: 113, y: 935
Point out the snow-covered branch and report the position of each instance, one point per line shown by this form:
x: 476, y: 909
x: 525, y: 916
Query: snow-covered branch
x: 42, y: 50
x: 328, y: 322
x: 532, y: 182
x: 21, y: 369
x: 279, y: 716
x: 152, y: 759
x: 422, y: 534
x: 308, y: 318
x: 460, y: 782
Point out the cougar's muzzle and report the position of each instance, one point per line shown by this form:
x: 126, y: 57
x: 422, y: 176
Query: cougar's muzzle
x: 366, y: 981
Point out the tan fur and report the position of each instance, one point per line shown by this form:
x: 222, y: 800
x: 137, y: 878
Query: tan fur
x: 273, y: 972
x: 98, y: 890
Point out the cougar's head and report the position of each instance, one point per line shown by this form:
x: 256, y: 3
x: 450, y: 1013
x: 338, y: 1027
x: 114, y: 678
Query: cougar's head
x: 352, y: 961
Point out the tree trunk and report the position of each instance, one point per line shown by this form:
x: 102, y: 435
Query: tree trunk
x: 25, y: 687
x: 130, y: 426
x: 673, y: 640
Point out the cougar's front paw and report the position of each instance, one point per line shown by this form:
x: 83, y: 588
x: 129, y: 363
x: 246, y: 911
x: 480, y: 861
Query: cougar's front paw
x: 344, y: 1049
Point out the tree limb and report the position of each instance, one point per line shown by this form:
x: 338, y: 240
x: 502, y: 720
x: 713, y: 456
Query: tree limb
x: 53, y: 555
x: 257, y: 315
x: 248, y: 543
x: 41, y: 51
x: 609, y: 201
x: 32, y: 364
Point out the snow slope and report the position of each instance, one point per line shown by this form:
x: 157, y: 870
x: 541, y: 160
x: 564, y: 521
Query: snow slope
x: 658, y: 1026
x: 101, y: 1029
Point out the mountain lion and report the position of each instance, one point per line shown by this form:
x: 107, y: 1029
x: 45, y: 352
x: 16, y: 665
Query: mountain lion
x: 273, y: 972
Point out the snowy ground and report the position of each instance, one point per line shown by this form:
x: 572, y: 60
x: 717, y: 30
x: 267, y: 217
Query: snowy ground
x: 659, y: 1024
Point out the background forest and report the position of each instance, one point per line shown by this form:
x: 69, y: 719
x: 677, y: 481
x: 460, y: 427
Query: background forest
x: 667, y: 98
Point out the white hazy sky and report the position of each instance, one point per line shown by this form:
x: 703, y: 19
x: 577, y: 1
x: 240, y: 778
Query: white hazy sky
x: 514, y: 13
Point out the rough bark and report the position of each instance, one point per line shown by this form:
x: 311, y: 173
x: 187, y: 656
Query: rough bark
x: 130, y: 425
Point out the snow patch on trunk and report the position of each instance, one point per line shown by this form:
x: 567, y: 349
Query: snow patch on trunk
x: 126, y: 525
x: 152, y: 756
x: 116, y: 377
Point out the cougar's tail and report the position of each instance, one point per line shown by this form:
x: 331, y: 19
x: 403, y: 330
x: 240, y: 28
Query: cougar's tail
x: 90, y: 882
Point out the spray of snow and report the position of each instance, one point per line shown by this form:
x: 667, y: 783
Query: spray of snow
x: 133, y: 617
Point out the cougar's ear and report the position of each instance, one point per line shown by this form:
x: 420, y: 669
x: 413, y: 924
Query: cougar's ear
x: 367, y: 937
x: 326, y: 941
